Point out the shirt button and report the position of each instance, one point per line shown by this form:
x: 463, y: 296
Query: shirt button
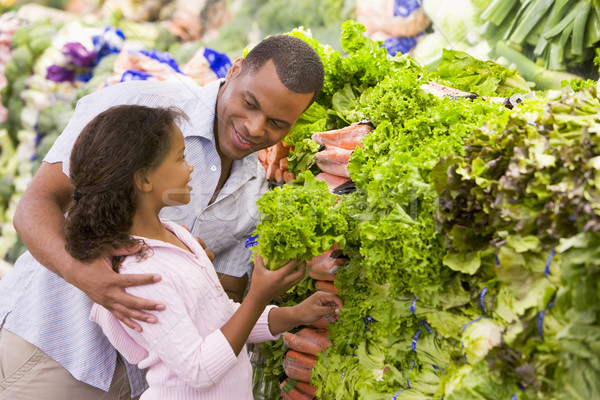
x: 213, y: 168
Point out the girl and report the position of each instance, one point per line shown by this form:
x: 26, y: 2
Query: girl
x: 127, y: 164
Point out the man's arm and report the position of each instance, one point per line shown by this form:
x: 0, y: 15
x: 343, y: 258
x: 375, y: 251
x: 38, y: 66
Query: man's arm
x: 39, y: 221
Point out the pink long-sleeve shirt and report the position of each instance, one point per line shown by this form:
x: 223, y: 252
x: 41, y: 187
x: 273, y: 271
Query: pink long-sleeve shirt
x: 186, y: 354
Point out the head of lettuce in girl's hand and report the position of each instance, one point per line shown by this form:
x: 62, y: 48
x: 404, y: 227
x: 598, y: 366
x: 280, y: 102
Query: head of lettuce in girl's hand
x: 298, y: 221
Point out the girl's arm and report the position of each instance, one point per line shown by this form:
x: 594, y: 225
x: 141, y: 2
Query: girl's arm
x: 265, y: 286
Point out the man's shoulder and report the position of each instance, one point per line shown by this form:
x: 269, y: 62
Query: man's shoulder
x: 150, y: 89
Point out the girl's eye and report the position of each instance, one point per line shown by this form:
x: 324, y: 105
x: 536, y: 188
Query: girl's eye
x: 275, y: 125
x: 248, y: 104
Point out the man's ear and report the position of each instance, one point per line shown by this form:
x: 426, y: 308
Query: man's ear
x: 235, y: 69
x: 141, y: 181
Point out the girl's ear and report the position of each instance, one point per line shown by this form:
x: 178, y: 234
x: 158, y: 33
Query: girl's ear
x: 141, y: 181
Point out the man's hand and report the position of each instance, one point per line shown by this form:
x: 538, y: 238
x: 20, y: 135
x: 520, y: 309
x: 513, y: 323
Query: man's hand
x: 107, y: 288
x: 209, y: 253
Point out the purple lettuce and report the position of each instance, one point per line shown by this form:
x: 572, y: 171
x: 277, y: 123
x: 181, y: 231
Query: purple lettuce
x: 79, y: 55
x: 59, y: 74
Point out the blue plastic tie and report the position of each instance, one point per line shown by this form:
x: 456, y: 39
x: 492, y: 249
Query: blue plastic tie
x: 548, y: 262
x: 397, y: 393
x: 497, y: 260
x: 426, y: 325
x: 514, y: 397
x: 482, y: 298
x: 367, y: 321
x: 541, y: 319
x: 413, y: 305
x: 472, y: 322
x: 414, y: 341
x: 251, y: 241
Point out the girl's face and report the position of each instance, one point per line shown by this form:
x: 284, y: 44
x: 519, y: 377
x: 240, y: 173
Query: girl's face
x: 170, y: 179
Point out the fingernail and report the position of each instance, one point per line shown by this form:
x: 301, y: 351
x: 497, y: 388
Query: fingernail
x: 337, y: 310
x: 137, y: 329
x: 160, y: 307
x: 157, y: 278
x: 150, y: 320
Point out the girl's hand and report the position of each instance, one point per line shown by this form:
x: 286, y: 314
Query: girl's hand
x: 320, y: 304
x: 267, y: 285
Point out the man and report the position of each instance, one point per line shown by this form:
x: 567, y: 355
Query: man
x: 48, y: 347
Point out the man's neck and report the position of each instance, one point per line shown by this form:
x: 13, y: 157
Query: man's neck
x: 226, y: 164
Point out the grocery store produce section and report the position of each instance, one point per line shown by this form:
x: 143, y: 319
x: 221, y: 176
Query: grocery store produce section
x: 445, y: 184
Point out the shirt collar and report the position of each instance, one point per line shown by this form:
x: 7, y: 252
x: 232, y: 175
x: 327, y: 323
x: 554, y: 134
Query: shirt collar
x: 204, y: 110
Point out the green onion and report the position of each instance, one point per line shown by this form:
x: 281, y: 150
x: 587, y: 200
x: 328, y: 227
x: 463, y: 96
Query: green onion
x: 579, y: 25
x: 498, y: 10
x: 543, y: 78
x: 529, y: 19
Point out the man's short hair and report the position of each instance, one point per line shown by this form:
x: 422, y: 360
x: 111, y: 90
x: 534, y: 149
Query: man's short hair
x: 298, y: 66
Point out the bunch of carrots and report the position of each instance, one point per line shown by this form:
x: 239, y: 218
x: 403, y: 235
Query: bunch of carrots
x: 301, y: 357
x: 274, y: 161
x: 338, y: 145
x: 305, y: 344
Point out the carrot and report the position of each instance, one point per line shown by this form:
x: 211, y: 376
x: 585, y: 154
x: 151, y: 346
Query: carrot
x: 285, y: 396
x: 332, y: 181
x: 288, y: 176
x: 333, y: 154
x: 326, y: 286
x: 301, y: 344
x: 334, y: 160
x: 318, y: 336
x: 277, y: 152
x: 324, y: 267
x: 306, y: 342
x: 271, y: 172
x: 262, y: 155
x: 283, y: 163
x: 321, y: 323
x: 299, y: 373
x: 302, y: 360
x: 291, y: 389
x: 279, y: 175
x: 348, y: 137
x: 306, y: 388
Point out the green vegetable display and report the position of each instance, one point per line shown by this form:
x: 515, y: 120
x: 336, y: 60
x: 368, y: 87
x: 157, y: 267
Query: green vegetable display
x: 469, y: 276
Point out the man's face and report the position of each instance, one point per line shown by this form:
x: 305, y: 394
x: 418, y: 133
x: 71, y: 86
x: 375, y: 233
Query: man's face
x: 255, y: 112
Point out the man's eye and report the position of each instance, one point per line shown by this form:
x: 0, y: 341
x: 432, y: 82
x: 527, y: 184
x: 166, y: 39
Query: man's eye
x: 248, y: 104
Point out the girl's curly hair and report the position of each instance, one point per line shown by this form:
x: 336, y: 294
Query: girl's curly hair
x: 110, y: 149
